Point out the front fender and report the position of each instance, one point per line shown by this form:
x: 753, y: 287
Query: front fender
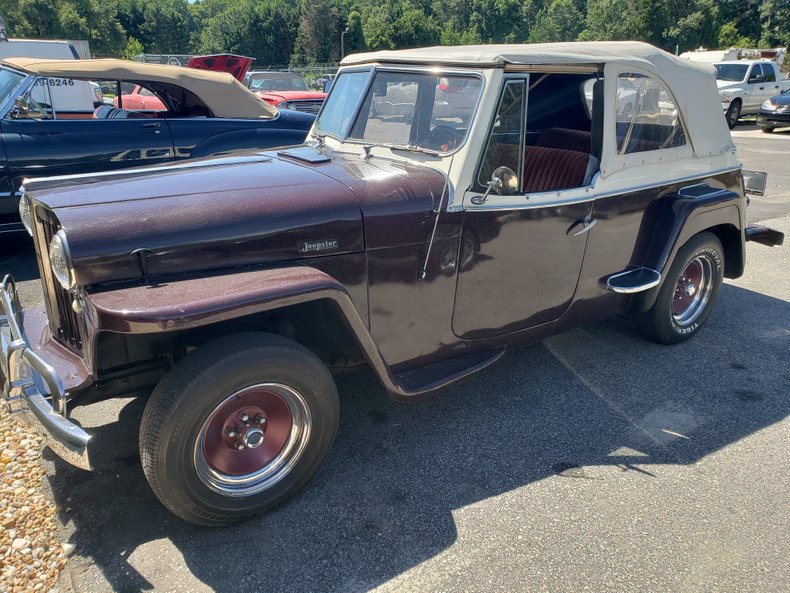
x: 199, y: 302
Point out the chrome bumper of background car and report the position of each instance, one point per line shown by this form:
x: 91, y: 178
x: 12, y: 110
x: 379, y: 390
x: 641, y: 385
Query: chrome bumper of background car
x: 28, y: 381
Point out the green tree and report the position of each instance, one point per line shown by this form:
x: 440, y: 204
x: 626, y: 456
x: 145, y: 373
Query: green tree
x: 699, y: 28
x: 166, y: 26
x: 262, y: 29
x: 775, y: 20
x: 558, y: 21
x: 318, y: 40
x: 611, y: 20
x: 730, y: 37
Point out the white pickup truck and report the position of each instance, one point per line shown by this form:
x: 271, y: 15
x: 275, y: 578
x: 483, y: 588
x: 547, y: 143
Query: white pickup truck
x: 744, y: 85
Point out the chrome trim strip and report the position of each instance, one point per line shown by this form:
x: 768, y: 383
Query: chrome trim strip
x: 530, y: 202
x: 25, y: 374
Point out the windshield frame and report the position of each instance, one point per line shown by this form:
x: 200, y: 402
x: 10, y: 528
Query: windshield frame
x: 18, y: 90
x: 374, y: 69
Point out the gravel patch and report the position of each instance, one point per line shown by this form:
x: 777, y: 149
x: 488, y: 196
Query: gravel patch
x: 31, y: 556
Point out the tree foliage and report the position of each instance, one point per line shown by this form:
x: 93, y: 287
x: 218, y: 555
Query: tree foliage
x: 279, y: 32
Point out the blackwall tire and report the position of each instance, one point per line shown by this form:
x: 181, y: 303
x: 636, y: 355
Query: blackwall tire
x: 687, y: 294
x: 237, y: 426
x: 733, y: 114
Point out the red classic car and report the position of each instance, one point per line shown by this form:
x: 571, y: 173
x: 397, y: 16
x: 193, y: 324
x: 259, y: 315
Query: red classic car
x: 285, y: 90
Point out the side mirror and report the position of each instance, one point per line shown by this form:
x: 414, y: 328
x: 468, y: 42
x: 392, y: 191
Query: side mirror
x: 503, y: 181
x: 758, y: 78
x: 20, y: 109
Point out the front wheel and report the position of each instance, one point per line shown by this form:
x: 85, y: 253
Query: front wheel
x: 767, y: 130
x: 687, y: 294
x: 237, y: 426
x: 733, y: 114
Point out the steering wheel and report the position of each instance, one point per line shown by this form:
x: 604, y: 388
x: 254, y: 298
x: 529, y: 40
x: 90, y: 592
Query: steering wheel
x: 443, y: 139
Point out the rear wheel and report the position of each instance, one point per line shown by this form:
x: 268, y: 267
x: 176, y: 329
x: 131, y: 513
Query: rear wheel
x: 767, y: 130
x: 733, y: 114
x: 237, y: 426
x: 687, y: 294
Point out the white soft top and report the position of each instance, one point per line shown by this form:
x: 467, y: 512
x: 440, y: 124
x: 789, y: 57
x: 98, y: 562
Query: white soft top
x: 692, y: 83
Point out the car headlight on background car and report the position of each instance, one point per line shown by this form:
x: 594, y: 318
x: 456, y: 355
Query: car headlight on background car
x: 725, y: 97
x: 282, y: 105
x: 26, y: 214
x: 60, y: 261
x: 768, y: 106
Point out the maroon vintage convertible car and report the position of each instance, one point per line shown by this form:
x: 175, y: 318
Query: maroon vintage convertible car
x: 421, y: 231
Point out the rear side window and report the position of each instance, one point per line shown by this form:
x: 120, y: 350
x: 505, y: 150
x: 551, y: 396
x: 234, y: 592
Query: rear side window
x: 646, y: 115
x: 770, y: 75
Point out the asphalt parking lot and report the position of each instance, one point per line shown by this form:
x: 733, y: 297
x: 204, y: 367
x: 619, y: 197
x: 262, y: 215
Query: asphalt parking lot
x: 595, y: 461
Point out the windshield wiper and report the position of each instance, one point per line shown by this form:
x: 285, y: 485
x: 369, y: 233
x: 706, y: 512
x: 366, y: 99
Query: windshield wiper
x: 408, y: 147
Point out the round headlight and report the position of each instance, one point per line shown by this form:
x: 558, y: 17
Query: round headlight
x: 60, y: 261
x: 768, y: 106
x: 26, y: 214
x: 282, y: 105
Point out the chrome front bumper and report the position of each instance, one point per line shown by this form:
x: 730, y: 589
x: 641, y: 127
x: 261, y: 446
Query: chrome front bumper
x: 32, y: 389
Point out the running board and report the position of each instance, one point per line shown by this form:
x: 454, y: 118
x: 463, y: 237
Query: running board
x: 433, y: 377
x: 632, y: 281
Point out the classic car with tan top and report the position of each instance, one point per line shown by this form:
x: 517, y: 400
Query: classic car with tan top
x: 513, y: 194
x: 189, y: 113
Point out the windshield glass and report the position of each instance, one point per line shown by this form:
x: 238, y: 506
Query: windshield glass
x: 731, y: 72
x: 277, y: 82
x: 406, y: 109
x: 9, y: 82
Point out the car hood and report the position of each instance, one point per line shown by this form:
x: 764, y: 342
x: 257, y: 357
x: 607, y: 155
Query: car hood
x: 247, y: 209
x: 292, y: 95
x: 727, y: 84
x: 783, y: 99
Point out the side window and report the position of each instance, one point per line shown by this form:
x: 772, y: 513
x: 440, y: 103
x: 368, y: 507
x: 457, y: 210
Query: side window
x: 646, y: 115
x: 770, y: 73
x: 504, y: 144
x: 37, y: 104
x: 755, y: 72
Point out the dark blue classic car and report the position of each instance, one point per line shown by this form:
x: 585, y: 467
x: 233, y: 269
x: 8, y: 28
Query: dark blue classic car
x: 55, y: 119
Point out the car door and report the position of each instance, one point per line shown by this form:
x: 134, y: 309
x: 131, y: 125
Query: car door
x: 43, y: 141
x: 755, y: 87
x: 521, y: 252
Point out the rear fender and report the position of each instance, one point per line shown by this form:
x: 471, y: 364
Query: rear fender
x: 696, y: 209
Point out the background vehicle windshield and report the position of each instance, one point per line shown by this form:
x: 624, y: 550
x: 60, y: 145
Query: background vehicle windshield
x: 9, y: 81
x: 733, y: 72
x: 277, y: 82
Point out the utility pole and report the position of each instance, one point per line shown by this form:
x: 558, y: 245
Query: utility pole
x: 342, y: 42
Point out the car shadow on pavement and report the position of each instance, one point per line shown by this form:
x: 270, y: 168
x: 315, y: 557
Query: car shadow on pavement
x: 384, y: 500
x: 19, y: 257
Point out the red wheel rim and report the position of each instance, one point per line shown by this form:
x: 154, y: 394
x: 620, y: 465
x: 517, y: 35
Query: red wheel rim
x: 265, y: 411
x: 693, y: 290
x: 687, y: 288
x: 252, y: 439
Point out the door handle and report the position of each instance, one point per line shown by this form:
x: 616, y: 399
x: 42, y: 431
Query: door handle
x: 588, y: 223
x: 153, y: 126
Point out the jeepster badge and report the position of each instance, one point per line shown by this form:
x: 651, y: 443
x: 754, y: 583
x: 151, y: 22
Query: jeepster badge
x: 315, y: 246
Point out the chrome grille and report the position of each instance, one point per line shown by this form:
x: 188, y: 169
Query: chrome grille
x: 306, y: 105
x: 63, y: 319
